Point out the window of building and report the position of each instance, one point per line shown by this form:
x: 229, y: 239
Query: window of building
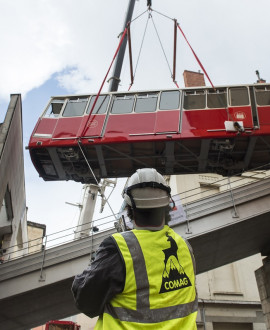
x: 75, y: 107
x: 238, y: 96
x: 123, y: 104
x: 54, y: 109
x: 194, y: 100
x: 262, y: 95
x: 6, y: 209
x: 169, y: 100
x: 100, y: 106
x: 216, y: 98
x: 146, y: 102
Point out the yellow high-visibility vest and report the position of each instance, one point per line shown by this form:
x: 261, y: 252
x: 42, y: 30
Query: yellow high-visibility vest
x: 159, y: 290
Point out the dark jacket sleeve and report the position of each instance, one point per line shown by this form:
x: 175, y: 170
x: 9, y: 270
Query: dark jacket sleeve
x: 101, y: 281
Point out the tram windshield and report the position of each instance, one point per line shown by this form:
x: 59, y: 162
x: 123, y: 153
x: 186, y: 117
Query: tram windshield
x: 146, y: 102
x: 238, y: 96
x: 195, y: 100
x: 216, y: 98
x: 100, y: 106
x: 262, y: 95
x: 123, y: 104
x: 54, y: 109
x: 75, y: 107
x: 169, y: 100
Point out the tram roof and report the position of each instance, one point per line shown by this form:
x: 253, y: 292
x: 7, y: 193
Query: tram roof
x: 159, y: 90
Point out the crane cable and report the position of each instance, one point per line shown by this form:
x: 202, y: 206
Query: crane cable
x: 172, y: 75
x: 140, y: 50
x: 95, y: 178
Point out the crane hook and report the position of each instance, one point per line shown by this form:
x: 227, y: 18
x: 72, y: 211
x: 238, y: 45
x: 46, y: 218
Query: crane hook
x: 149, y: 4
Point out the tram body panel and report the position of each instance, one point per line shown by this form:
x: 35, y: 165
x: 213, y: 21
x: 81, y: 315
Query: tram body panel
x: 93, y: 126
x: 129, y: 126
x: 175, y: 131
x: 45, y: 126
x: 67, y: 128
x: 167, y: 122
x: 264, y: 115
x: 204, y: 123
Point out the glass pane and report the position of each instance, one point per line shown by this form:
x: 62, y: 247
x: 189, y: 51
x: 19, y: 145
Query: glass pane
x: 75, y: 108
x: 146, y: 102
x: 194, y: 100
x: 263, y: 96
x: 169, y: 100
x: 100, y: 106
x: 123, y: 104
x: 217, y: 99
x: 54, y: 109
x: 239, y: 96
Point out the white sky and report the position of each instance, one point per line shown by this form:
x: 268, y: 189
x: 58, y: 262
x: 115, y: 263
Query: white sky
x: 53, y: 47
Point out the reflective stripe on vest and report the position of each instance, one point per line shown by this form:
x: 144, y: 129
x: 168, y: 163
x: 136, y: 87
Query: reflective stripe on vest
x: 143, y: 313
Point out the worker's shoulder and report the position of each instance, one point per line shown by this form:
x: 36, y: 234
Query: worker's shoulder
x: 108, y: 242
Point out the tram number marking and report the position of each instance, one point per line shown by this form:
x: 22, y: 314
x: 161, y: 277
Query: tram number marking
x: 93, y: 124
x: 239, y: 115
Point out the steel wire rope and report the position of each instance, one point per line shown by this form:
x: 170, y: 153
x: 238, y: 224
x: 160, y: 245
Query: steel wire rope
x: 140, y: 50
x: 92, y: 172
x: 162, y: 46
x: 134, y: 19
x: 162, y: 14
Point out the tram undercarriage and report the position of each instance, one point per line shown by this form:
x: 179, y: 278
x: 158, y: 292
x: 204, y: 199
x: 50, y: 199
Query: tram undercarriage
x: 230, y: 156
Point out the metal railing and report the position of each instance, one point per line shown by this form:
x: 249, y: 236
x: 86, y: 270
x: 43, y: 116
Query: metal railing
x: 188, y: 199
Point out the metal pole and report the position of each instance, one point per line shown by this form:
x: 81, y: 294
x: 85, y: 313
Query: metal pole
x: 115, y: 79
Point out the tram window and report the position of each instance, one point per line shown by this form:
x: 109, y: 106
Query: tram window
x: 216, y: 98
x: 263, y: 95
x: 146, y: 102
x: 239, y: 96
x: 54, y: 109
x: 194, y: 100
x: 169, y: 100
x: 100, y: 106
x: 75, y: 108
x: 123, y: 104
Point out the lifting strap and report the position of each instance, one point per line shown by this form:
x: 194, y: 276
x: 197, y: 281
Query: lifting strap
x: 199, y: 62
x: 98, y: 94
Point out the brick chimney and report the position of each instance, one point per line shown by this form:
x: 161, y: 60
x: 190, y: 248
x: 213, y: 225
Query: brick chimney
x: 193, y: 79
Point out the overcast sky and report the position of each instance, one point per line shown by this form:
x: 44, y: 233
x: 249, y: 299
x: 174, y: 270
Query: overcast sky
x: 53, y: 47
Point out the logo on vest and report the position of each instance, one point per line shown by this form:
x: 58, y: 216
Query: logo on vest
x: 174, y: 276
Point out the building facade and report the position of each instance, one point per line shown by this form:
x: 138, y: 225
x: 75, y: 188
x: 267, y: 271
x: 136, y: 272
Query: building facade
x: 13, y: 223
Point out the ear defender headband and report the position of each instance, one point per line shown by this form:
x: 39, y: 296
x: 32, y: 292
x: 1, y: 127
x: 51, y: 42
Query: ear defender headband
x: 150, y: 184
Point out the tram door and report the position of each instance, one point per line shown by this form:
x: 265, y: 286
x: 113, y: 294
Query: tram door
x: 241, y: 106
x: 46, y: 124
x: 168, y: 113
x: 70, y: 121
x: 262, y: 97
x: 93, y: 126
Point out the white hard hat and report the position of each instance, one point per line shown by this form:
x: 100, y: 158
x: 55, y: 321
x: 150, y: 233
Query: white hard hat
x: 147, y: 189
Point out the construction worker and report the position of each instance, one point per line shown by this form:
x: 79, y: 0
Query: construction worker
x: 143, y: 278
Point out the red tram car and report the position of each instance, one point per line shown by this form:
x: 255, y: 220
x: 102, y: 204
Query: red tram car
x: 181, y: 131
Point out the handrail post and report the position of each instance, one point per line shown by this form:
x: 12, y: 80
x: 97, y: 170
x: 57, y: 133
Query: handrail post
x: 41, y: 277
x: 235, y: 214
